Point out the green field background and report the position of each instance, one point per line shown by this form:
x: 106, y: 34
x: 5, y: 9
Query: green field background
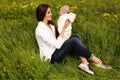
x: 97, y: 21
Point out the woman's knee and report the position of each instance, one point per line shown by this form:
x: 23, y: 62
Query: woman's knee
x: 74, y: 39
x: 77, y: 36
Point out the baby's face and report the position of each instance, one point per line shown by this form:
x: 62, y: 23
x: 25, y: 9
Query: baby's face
x: 63, y: 12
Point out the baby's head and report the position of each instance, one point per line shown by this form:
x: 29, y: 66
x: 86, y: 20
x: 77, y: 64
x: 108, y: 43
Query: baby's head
x: 65, y: 9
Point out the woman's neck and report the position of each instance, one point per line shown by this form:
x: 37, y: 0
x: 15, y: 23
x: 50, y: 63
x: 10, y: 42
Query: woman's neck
x: 45, y: 22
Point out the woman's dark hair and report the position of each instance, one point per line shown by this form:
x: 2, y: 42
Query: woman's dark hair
x: 41, y: 11
x: 40, y: 14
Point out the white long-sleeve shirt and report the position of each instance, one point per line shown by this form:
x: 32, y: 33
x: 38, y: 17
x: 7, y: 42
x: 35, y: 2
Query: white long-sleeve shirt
x: 61, y: 21
x: 47, y: 41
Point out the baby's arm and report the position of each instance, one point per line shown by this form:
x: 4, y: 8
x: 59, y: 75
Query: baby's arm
x: 71, y: 16
x: 63, y: 18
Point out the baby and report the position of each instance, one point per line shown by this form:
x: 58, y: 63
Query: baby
x: 64, y: 15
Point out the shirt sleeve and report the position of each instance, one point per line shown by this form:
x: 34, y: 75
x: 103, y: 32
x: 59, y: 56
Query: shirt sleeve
x: 57, y: 43
x: 61, y: 23
x: 71, y: 16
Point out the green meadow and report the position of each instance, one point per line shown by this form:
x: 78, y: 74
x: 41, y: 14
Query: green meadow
x: 97, y: 21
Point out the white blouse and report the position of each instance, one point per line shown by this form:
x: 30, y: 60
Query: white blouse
x: 47, y: 41
x: 61, y: 21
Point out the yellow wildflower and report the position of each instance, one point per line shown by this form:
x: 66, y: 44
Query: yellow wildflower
x: 82, y: 1
x: 24, y: 6
x: 14, y: 3
x: 58, y: 5
x: 31, y: 4
x: 115, y: 16
x: 33, y: 57
x: 4, y: 69
x: 96, y: 12
x: 27, y: 68
x: 73, y: 8
x: 106, y: 15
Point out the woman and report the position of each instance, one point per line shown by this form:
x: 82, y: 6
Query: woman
x: 52, y: 45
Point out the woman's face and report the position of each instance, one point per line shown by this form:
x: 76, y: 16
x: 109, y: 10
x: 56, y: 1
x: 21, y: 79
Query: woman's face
x: 48, y: 15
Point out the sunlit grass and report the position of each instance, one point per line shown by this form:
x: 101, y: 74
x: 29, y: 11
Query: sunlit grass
x: 97, y: 22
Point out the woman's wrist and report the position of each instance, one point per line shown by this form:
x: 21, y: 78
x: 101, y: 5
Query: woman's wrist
x: 62, y: 33
x: 65, y: 26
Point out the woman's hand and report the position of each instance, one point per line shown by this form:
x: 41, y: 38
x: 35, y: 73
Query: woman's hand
x: 65, y: 26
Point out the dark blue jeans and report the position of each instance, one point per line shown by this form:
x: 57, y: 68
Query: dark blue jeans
x: 73, y: 43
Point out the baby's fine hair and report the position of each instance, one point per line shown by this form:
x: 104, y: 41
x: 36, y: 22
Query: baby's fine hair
x: 65, y: 8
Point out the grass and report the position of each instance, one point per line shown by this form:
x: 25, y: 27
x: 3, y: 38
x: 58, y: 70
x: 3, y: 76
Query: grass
x: 97, y: 22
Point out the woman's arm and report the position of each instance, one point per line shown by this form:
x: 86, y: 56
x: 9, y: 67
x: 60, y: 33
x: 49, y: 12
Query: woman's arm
x: 65, y: 26
x: 57, y: 43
